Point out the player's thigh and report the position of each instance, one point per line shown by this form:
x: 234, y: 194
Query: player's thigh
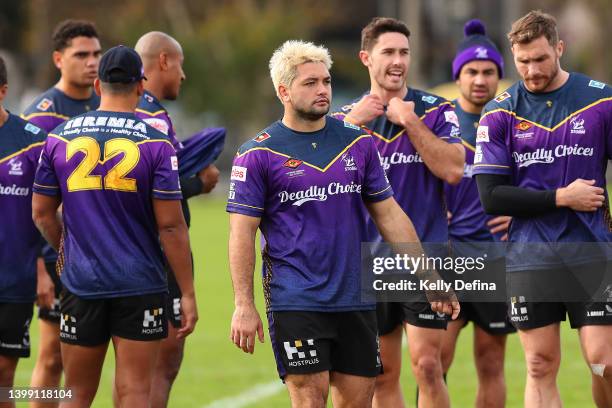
x: 489, y: 351
x: 351, y: 390
x: 134, y: 361
x: 424, y: 342
x: 170, y: 353
x: 391, y: 351
x: 83, y: 365
x: 308, y: 389
x: 449, y: 341
x: 48, y: 337
x: 542, y: 347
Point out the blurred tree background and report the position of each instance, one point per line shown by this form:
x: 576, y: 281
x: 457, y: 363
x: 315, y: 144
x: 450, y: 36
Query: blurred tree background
x: 227, y: 45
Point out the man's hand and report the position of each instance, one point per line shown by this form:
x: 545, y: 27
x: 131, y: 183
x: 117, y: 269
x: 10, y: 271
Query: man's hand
x: 500, y: 224
x: 581, y: 195
x: 209, y: 176
x: 189, y: 316
x: 245, y: 323
x: 45, y: 289
x: 366, y: 110
x: 401, y: 112
x: 444, y: 302
x: 449, y: 217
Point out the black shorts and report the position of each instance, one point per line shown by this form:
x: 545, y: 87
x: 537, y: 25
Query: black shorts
x: 389, y: 315
x: 91, y: 322
x: 526, y: 313
x: 312, y: 342
x: 15, y: 321
x: 52, y: 315
x: 491, y: 317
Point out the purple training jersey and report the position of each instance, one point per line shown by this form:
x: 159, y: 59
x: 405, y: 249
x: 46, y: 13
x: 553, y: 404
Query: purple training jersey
x: 151, y: 111
x: 308, y: 189
x: 468, y: 221
x: 108, y: 167
x: 48, y: 111
x: 545, y: 141
x: 20, y: 146
x: 417, y: 190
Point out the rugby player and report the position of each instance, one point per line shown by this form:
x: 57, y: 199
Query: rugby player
x: 76, y: 55
x: 20, y: 146
x: 117, y: 179
x: 162, y: 57
x: 544, y: 145
x: 477, y: 69
x: 303, y: 181
x: 419, y: 154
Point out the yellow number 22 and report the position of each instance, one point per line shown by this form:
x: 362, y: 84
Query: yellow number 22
x: 82, y: 179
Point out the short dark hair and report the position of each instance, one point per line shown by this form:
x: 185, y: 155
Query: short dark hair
x: 118, y: 88
x: 532, y: 26
x: 379, y: 26
x: 3, y: 74
x: 68, y: 29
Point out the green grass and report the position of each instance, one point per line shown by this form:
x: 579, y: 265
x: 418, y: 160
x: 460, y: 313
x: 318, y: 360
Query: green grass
x: 214, y: 368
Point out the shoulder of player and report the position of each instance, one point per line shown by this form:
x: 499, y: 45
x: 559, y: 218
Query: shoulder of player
x: 44, y: 104
x: 150, y: 107
x: 504, y: 101
x: 345, y: 131
x: 32, y: 132
x: 591, y: 88
x: 426, y: 102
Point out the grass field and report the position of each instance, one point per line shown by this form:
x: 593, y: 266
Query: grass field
x: 214, y: 371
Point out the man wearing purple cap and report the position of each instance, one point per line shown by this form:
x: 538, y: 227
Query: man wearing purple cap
x: 477, y: 68
x: 543, y: 146
x: 417, y: 135
x: 116, y: 211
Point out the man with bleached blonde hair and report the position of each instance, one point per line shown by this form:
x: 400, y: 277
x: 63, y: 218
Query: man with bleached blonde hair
x: 303, y: 181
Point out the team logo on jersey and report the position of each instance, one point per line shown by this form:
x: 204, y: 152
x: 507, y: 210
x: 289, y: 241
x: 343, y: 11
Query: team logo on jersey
x: 523, y: 126
x: 15, y: 167
x: 577, y: 125
x: 32, y: 129
x: 481, y: 53
x: 158, y: 124
x: 596, y: 84
x: 152, y: 321
x: 261, y: 137
x: 293, y: 163
x: 455, y: 132
x: 44, y: 104
x: 451, y: 117
x: 429, y: 99
x: 239, y: 173
x: 482, y: 134
x: 349, y: 162
x: 502, y: 97
x: 305, y: 354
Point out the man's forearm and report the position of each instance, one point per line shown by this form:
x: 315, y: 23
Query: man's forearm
x: 175, y: 242
x: 443, y: 159
x: 242, y: 266
x: 50, y: 228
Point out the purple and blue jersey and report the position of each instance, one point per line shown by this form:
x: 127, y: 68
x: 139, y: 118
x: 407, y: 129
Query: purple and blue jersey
x: 468, y: 221
x: 417, y: 190
x: 20, y: 146
x: 48, y: 111
x: 107, y: 167
x: 545, y: 141
x: 308, y: 189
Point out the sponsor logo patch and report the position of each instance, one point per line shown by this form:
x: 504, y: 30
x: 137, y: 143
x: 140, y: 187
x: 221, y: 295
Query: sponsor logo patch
x: 502, y: 97
x: 482, y: 134
x: 239, y: 173
x: 351, y: 126
x: 158, y: 124
x: 451, y: 117
x: 429, y: 99
x: 596, y: 84
x: 261, y: 137
x: 44, y: 104
x: 174, y: 162
x: 293, y: 163
x: 32, y: 129
x: 523, y: 126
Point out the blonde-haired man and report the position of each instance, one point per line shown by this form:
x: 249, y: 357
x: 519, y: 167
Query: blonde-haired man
x: 302, y: 182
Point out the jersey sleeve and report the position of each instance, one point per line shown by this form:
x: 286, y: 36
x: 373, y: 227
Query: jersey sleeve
x: 376, y: 185
x: 166, y: 185
x: 446, y: 124
x: 247, y: 191
x: 492, y: 156
x: 45, y: 180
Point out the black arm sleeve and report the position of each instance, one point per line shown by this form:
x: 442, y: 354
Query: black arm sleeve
x: 498, y: 197
x: 191, y: 187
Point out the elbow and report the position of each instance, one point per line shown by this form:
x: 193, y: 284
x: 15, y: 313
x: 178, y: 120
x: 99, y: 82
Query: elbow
x: 454, y: 175
x: 39, y: 217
